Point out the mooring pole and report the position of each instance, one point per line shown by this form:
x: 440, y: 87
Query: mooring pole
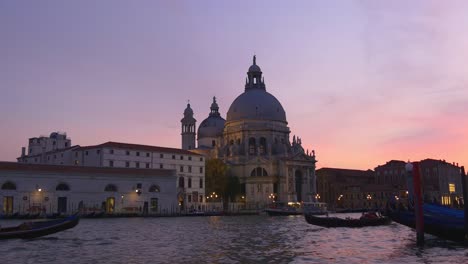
x: 418, y: 204
x: 465, y: 199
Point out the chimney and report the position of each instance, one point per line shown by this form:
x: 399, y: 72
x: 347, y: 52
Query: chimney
x: 23, y: 151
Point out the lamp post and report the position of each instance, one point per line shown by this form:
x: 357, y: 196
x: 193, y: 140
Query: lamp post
x: 369, y: 199
x: 413, y: 170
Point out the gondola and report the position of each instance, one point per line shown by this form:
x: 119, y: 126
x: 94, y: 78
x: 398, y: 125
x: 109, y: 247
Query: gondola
x: 438, y: 220
x: 347, y: 222
x: 28, y: 230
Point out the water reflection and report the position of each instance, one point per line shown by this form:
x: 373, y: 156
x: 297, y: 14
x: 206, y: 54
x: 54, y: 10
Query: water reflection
x: 249, y: 239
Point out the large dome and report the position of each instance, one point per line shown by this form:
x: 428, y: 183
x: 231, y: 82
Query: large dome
x: 256, y: 104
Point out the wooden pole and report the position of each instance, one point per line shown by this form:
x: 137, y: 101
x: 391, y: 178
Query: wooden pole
x: 465, y: 199
x: 418, y: 204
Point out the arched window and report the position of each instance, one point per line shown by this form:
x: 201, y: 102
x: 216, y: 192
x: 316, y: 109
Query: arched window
x: 259, y: 171
x: 262, y: 146
x: 9, y: 186
x: 181, y: 182
x: 154, y: 188
x: 110, y: 188
x: 62, y: 187
x: 252, y: 146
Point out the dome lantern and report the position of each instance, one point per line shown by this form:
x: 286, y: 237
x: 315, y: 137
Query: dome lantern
x: 254, y: 77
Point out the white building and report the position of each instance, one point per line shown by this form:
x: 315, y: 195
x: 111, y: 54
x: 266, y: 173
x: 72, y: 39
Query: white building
x: 47, y: 189
x: 189, y: 166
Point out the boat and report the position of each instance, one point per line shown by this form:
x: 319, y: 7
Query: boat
x: 314, y: 208
x: 28, y: 230
x: 282, y: 209
x: 439, y: 221
x: 363, y: 221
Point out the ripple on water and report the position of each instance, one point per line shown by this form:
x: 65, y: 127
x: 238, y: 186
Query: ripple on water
x: 248, y: 239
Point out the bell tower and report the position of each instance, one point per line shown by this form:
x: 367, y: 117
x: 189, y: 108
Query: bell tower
x: 188, y: 129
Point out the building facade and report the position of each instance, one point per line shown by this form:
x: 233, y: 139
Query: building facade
x: 189, y: 166
x: 441, y: 181
x: 254, y: 141
x: 49, y: 189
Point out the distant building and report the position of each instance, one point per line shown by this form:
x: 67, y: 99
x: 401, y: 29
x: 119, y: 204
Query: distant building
x: 441, y: 181
x: 254, y: 141
x: 189, y: 166
x: 349, y: 189
x: 48, y: 189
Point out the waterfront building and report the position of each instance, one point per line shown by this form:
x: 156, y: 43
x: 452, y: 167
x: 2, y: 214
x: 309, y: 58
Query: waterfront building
x: 189, y: 166
x: 48, y: 189
x: 441, y: 181
x: 350, y: 189
x: 254, y: 141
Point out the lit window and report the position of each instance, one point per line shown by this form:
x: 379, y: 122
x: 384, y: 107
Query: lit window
x: 451, y: 187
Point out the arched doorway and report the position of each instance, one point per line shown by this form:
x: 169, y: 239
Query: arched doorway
x: 298, y: 178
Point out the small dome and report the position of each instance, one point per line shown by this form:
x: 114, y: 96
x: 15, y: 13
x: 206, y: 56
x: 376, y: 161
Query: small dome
x: 256, y: 104
x: 211, y: 127
x: 254, y: 68
x: 188, y: 111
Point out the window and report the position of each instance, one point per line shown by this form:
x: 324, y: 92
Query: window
x: 213, y: 143
x: 48, y: 157
x: 201, y: 182
x: 154, y: 188
x: 189, y: 198
x: 62, y: 187
x: 161, y: 156
x: 190, y: 158
x: 181, y: 168
x: 154, y: 205
x: 147, y: 165
x: 127, y: 164
x: 181, y: 182
x: 54, y: 143
x: 76, y: 154
x: 98, y: 151
x: 189, y: 168
x: 35, y: 159
x: 77, y: 162
x: 201, y: 198
x: 451, y: 187
x: 190, y: 183
x: 252, y: 146
x: 111, y: 163
x: 110, y: 188
x: 173, y: 156
x: 66, y: 144
x: 181, y: 157
x: 147, y: 154
x: 259, y: 171
x: 86, y: 153
x: 127, y: 153
x: 201, y: 159
x: 9, y: 186
x: 137, y: 164
x: 201, y: 169
x: 111, y: 151
x: 161, y: 166
x: 138, y: 153
x: 55, y: 156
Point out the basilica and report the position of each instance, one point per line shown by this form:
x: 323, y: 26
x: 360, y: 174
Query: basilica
x: 254, y: 142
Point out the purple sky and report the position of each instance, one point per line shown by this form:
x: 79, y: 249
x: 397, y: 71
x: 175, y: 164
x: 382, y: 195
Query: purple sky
x: 362, y: 82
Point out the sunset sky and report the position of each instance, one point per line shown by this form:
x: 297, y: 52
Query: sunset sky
x: 362, y: 82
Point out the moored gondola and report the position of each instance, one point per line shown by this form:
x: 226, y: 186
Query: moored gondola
x: 347, y: 222
x: 29, y: 230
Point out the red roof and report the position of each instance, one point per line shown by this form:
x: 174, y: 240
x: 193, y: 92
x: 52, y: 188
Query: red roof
x: 120, y: 145
x: 14, y: 166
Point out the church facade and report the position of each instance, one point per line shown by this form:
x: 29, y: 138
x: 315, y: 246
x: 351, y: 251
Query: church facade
x: 254, y: 141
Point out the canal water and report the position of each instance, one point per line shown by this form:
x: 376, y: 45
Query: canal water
x: 227, y: 239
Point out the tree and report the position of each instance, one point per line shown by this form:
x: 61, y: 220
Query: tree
x: 218, y: 181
